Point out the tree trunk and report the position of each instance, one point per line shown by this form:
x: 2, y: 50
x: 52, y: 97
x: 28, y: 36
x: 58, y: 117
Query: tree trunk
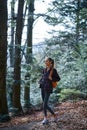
x: 11, y: 49
x: 78, y: 22
x: 29, y: 50
x: 3, y: 56
x: 17, y: 62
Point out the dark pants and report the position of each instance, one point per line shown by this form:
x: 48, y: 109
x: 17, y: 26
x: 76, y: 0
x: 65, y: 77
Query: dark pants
x: 45, y: 97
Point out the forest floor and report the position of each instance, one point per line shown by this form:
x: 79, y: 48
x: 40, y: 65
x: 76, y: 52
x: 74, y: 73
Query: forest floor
x: 70, y: 116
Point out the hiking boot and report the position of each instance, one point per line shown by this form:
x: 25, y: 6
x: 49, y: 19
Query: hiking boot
x: 45, y: 122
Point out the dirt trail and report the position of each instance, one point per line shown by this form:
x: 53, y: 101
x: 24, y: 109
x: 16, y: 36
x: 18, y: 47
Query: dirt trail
x: 70, y: 116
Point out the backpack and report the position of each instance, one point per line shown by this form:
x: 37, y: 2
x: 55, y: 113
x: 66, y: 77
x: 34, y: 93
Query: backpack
x: 54, y: 83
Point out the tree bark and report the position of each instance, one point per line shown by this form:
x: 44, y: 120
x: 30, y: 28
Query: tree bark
x: 17, y: 62
x: 3, y: 56
x: 29, y: 50
x: 11, y: 49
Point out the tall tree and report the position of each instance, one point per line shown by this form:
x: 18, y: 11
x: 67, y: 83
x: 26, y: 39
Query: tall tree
x: 29, y: 49
x: 3, y: 56
x: 17, y: 62
x: 11, y: 49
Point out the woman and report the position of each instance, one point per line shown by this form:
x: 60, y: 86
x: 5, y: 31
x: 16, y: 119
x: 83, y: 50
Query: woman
x: 46, y: 86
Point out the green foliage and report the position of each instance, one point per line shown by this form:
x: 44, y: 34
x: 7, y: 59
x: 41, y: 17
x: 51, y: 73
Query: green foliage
x: 69, y: 94
x: 51, y: 20
x: 69, y: 47
x: 71, y: 62
x: 31, y: 72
